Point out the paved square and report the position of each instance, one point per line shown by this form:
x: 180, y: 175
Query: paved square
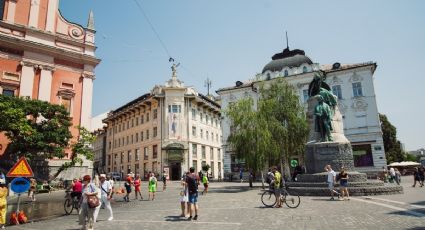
x: 234, y: 206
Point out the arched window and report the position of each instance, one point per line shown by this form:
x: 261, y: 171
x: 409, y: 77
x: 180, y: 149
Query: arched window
x: 305, y: 69
x: 286, y: 73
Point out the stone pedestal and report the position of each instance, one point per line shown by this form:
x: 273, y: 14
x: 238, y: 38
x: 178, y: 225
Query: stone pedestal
x: 338, y: 155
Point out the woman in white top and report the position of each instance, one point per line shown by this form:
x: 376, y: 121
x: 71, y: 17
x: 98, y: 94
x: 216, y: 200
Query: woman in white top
x: 86, y: 217
x: 96, y: 182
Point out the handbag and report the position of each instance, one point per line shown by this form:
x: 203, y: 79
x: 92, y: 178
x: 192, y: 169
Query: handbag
x: 93, y: 200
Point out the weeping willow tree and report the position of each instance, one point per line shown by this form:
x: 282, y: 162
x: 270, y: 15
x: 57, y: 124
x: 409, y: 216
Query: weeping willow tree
x: 270, y: 132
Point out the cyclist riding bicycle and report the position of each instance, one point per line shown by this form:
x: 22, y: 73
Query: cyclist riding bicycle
x: 77, y: 189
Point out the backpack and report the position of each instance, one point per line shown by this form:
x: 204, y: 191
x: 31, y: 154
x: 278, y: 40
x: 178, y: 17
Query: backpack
x: 192, y: 184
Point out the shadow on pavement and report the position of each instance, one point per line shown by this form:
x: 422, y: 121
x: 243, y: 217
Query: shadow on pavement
x: 411, y: 213
x: 175, y: 218
x: 419, y: 203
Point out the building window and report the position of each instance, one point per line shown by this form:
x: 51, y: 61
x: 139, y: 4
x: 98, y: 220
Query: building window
x: 195, y: 165
x: 155, y: 131
x: 336, y: 90
x: 110, y: 145
x: 305, y: 95
x: 174, y: 108
x: 137, y: 121
x: 128, y: 168
x: 67, y: 103
x: 202, y: 117
x: 142, y: 119
x: 203, y: 152
x: 1, y: 9
x: 219, y: 154
x: 155, y: 152
x: 132, y: 122
x: 128, y: 124
x: 136, y: 168
x: 155, y: 113
x: 119, y: 128
x: 147, y: 134
x: 109, y: 160
x: 202, y: 133
x: 207, y: 119
x: 11, y: 92
x: 146, y: 153
x: 141, y: 136
x: 147, y: 117
x: 137, y: 137
x: 357, y: 89
x: 286, y: 73
x: 127, y: 140
x: 193, y: 131
x: 132, y: 139
x: 194, y: 151
x: 211, y: 153
x: 194, y: 114
x: 129, y: 155
x: 122, y: 158
x: 137, y: 154
x: 115, y: 159
x: 216, y: 137
x: 305, y: 69
x: 119, y: 142
x: 207, y: 135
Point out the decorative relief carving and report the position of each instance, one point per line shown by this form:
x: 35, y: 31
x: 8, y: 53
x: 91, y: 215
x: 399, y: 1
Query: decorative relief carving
x: 356, y: 78
x: 88, y: 75
x: 359, y: 105
x: 76, y: 32
x: 336, y: 81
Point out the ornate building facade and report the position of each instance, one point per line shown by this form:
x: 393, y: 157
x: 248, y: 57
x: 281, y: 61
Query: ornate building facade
x: 351, y: 83
x: 170, y: 129
x: 45, y: 57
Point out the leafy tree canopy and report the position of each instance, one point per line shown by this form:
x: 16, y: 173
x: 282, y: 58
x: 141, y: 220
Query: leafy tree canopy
x: 34, y: 128
x: 392, y: 146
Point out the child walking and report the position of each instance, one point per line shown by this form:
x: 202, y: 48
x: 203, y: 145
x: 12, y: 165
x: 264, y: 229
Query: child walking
x: 127, y: 186
x: 137, y: 183
x: 152, y: 186
x: 205, y: 182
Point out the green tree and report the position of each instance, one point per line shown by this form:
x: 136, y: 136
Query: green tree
x: 34, y: 128
x: 81, y: 148
x: 272, y: 131
x: 392, y: 146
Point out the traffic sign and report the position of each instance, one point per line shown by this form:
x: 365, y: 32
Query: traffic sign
x: 20, y: 185
x: 294, y: 163
x: 21, y: 169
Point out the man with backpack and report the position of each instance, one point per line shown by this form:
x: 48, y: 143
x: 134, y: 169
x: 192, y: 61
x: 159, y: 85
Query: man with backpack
x: 192, y: 182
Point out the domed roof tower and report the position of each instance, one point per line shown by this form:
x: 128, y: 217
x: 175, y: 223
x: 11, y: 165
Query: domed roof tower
x: 288, y: 58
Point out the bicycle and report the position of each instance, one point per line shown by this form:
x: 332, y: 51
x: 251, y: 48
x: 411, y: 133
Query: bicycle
x: 268, y: 198
x: 71, y: 203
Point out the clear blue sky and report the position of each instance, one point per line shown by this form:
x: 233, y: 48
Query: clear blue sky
x: 233, y: 40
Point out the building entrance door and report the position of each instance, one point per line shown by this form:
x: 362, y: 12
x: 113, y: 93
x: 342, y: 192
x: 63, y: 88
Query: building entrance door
x: 175, y: 171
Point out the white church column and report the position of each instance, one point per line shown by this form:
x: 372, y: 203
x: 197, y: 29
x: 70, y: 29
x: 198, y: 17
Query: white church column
x: 45, y: 86
x: 27, y: 80
x: 10, y: 17
x: 51, y: 15
x: 86, y: 102
x: 34, y: 11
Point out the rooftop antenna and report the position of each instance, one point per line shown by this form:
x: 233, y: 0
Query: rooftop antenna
x: 287, y: 44
x: 208, y: 84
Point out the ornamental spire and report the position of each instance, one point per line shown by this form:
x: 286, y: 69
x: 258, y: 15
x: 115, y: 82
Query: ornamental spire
x: 90, y: 22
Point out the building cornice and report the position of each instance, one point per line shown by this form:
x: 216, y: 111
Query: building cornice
x: 12, y: 42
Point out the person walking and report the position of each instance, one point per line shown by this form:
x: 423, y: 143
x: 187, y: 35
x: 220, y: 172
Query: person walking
x: 192, y: 182
x: 86, y: 215
x: 241, y: 175
x: 137, y: 183
x: 96, y: 182
x: 416, y: 177
x: 31, y: 191
x: 331, y: 181
x: 184, y: 196
x: 397, y: 176
x: 392, y: 175
x: 251, y: 178
x: 106, y: 194
x: 127, y: 186
x: 164, y: 181
x: 205, y: 182
x: 421, y: 176
x: 153, y: 185
x: 343, y: 183
x: 3, y: 202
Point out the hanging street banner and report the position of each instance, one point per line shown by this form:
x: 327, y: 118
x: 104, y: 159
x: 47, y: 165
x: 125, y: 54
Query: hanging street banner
x: 21, y: 169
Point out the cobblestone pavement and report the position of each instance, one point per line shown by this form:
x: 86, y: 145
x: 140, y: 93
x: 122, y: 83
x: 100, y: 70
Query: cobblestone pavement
x: 234, y: 206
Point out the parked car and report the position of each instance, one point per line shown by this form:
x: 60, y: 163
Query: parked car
x: 115, y: 175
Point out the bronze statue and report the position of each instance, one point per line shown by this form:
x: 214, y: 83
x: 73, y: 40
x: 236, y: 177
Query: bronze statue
x: 324, y: 110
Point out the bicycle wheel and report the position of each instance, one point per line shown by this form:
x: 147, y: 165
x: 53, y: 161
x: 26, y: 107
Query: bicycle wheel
x: 68, y: 206
x: 268, y: 198
x: 292, y: 201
